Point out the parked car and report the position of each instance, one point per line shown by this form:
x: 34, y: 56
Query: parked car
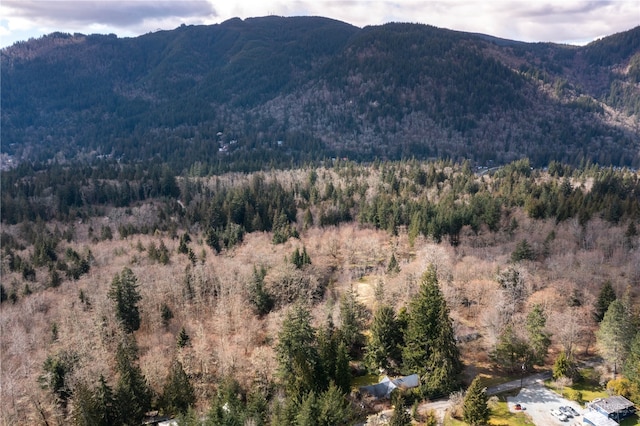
x: 567, y: 411
x: 570, y: 410
x: 559, y: 414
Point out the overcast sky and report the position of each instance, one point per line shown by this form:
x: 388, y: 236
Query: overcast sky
x: 560, y: 21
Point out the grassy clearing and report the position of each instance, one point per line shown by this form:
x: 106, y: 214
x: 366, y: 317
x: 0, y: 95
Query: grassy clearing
x: 366, y: 380
x: 583, y: 391
x: 500, y: 415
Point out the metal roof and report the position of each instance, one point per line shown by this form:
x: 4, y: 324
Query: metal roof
x: 595, y: 418
x: 611, y: 405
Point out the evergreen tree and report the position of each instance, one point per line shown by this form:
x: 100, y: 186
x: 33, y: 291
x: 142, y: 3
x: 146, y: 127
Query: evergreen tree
x: 95, y: 408
x: 178, y: 393
x: 183, y: 247
x: 511, y: 352
x: 352, y: 317
x: 183, y: 338
x: 605, y: 297
x: 328, y: 340
x: 564, y: 367
x: 133, y: 395
x: 475, y: 409
x: 615, y: 334
x: 124, y: 292
x: 105, y: 403
x: 430, y: 349
x: 383, y: 349
x: 259, y: 298
x: 393, y: 267
x: 190, y: 418
x: 400, y: 416
x: 300, y: 259
x: 227, y: 408
x: 308, y: 413
x: 539, y: 339
x: 85, y: 412
x: 632, y: 368
x: 342, y: 375
x: 257, y: 407
x: 523, y: 251
x: 56, y: 372
x: 334, y: 408
x: 444, y: 366
x: 299, y: 365
x: 165, y: 315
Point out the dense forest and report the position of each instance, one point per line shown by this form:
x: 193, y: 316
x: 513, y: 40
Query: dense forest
x: 241, y: 224
x: 244, y: 94
x: 258, y: 298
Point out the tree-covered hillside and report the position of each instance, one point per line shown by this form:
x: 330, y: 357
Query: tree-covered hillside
x: 243, y: 94
x: 133, y: 290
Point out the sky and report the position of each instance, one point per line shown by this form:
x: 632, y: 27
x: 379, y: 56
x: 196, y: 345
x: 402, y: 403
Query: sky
x: 559, y: 21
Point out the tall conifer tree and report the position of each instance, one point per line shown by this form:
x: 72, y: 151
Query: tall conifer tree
x: 430, y: 349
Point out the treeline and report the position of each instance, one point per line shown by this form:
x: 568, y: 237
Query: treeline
x: 436, y: 200
x: 432, y: 199
x: 66, y: 193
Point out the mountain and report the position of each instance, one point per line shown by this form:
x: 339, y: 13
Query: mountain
x: 272, y: 90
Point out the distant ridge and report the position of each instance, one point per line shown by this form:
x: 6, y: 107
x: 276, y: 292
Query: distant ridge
x: 271, y: 90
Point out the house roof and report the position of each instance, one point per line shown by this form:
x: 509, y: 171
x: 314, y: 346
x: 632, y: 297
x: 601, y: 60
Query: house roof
x: 386, y: 385
x: 597, y: 419
x: 611, y: 405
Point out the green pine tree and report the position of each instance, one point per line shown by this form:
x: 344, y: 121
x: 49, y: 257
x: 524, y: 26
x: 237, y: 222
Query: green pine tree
x: 178, y: 393
x: 444, y: 365
x: 259, y: 298
x: 476, y: 411
x: 383, y: 349
x: 564, y: 366
x: 124, y: 293
x: 299, y: 365
x: 523, y: 251
x: 334, y: 408
x: 400, y: 416
x: 511, y: 352
x: 393, y: 267
x: 615, y: 334
x: 539, y: 339
x: 342, y: 375
x: 605, y: 297
x: 308, y: 413
x: 183, y: 338
x: 352, y: 318
x: 430, y: 349
x: 133, y: 395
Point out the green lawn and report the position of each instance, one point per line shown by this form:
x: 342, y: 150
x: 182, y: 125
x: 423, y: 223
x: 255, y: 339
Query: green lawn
x: 366, y: 380
x: 500, y: 416
x: 585, y: 390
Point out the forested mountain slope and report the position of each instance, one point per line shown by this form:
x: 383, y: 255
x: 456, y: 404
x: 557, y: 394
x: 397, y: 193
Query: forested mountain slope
x: 303, y: 89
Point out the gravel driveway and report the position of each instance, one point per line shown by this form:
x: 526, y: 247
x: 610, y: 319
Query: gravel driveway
x: 538, y: 401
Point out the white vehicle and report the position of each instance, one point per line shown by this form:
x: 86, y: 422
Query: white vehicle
x: 561, y: 416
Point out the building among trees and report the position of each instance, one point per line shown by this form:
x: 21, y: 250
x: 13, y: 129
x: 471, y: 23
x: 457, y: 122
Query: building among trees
x: 608, y: 411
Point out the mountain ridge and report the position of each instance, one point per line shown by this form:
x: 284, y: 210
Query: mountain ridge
x: 293, y: 90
